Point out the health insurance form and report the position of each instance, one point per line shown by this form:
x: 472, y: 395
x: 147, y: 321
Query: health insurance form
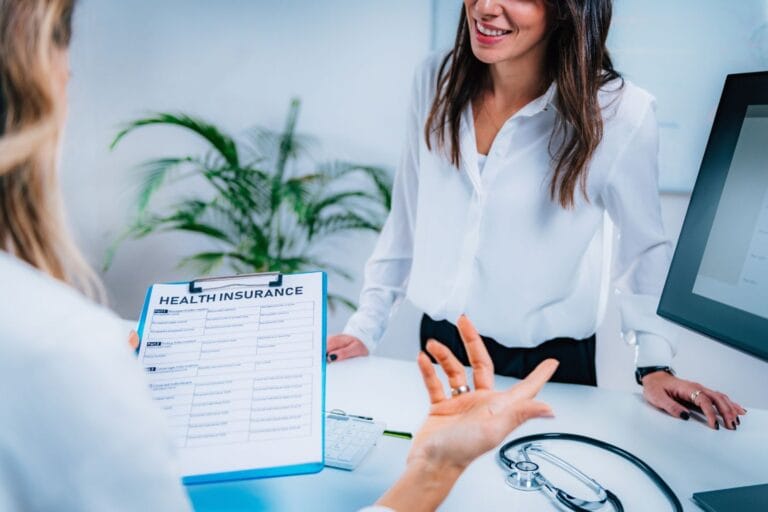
x: 238, y: 368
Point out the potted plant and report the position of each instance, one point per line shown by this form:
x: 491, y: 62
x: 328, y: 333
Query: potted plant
x: 265, y: 205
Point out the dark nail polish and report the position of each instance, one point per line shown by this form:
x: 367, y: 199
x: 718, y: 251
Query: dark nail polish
x: 733, y: 425
x: 738, y: 421
x: 717, y: 426
x: 685, y: 416
x: 333, y: 357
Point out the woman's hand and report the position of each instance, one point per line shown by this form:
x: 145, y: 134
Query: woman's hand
x: 461, y: 428
x: 670, y: 393
x: 133, y: 340
x: 344, y: 346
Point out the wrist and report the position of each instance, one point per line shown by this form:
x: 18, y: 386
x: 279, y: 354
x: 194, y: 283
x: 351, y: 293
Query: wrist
x: 641, y: 373
x: 433, y: 471
x: 423, y: 486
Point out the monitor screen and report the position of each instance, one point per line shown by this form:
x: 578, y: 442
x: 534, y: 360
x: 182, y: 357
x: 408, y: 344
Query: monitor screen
x: 718, y: 280
x: 734, y: 266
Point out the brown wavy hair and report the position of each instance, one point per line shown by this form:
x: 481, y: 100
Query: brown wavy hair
x: 32, y: 226
x: 577, y: 60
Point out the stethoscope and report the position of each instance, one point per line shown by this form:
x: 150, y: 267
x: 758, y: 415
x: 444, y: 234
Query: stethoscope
x: 525, y: 474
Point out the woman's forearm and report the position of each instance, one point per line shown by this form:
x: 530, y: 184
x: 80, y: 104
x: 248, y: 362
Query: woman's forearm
x: 421, y: 488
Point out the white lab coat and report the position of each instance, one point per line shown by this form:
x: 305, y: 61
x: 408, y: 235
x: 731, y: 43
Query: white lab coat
x: 78, y: 430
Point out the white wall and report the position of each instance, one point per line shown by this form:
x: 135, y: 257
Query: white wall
x: 238, y: 62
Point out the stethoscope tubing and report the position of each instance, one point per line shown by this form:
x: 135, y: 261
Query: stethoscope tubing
x: 564, y: 436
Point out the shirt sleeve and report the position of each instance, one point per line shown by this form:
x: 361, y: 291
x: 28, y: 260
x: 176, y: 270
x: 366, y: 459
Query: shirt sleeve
x: 387, y: 270
x: 632, y: 200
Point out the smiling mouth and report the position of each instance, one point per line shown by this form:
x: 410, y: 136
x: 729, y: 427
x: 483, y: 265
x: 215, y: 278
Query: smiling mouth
x: 489, y: 32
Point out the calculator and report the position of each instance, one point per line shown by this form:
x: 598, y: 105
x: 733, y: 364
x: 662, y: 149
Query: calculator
x: 348, y: 439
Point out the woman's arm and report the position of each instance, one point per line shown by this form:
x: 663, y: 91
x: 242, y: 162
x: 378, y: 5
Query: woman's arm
x: 632, y: 200
x: 460, y: 429
x: 388, y: 268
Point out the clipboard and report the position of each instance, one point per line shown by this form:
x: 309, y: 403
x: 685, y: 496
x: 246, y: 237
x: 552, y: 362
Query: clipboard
x: 284, y: 302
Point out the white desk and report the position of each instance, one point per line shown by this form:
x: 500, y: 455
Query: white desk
x: 688, y: 455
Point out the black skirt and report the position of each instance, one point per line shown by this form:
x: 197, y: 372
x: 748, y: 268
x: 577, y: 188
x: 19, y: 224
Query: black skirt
x: 577, y: 357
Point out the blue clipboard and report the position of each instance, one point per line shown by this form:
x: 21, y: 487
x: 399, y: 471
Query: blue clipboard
x: 272, y: 279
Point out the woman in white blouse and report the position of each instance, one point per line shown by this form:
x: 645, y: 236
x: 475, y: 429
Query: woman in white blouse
x: 519, y: 141
x: 78, y: 429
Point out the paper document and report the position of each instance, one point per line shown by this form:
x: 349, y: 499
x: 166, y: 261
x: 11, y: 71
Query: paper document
x: 237, y: 365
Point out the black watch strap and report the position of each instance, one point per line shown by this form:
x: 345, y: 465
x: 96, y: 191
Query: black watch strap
x: 645, y: 370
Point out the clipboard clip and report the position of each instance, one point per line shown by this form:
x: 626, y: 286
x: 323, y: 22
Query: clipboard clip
x: 258, y: 280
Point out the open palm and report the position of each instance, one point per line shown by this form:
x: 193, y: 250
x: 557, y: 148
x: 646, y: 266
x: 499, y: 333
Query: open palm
x: 459, y: 429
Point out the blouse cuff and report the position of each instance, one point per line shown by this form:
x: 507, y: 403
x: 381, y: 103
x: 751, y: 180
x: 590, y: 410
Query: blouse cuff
x: 353, y: 328
x: 653, y: 350
x: 641, y: 326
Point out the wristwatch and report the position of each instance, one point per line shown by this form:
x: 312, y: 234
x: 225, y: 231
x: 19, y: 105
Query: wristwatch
x: 645, y: 370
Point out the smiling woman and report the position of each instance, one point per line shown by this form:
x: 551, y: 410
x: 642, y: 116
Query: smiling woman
x: 522, y: 141
x: 525, y: 21
x: 546, y: 41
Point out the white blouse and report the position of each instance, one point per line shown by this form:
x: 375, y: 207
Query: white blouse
x: 494, y: 245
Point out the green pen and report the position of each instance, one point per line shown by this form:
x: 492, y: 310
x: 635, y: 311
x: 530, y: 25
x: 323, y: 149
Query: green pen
x: 399, y: 435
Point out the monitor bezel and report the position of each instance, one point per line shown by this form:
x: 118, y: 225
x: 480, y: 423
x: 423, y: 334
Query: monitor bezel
x: 732, y: 326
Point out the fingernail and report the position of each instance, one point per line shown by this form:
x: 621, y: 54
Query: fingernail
x: 717, y: 426
x: 733, y: 425
x: 738, y: 421
x: 685, y: 416
x: 333, y: 357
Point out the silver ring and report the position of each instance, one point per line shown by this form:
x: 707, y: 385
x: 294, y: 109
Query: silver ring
x: 460, y: 390
x: 695, y: 395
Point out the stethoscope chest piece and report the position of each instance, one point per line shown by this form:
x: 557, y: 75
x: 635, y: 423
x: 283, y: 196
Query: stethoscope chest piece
x: 524, y: 476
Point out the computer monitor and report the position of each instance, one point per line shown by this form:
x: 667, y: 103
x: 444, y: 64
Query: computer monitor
x: 718, y: 281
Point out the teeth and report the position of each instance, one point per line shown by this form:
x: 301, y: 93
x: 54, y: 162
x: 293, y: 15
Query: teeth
x: 489, y: 32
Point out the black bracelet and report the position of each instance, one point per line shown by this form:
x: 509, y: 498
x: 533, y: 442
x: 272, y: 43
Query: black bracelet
x: 645, y: 370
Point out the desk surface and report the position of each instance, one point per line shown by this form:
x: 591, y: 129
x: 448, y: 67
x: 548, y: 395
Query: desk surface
x: 688, y: 455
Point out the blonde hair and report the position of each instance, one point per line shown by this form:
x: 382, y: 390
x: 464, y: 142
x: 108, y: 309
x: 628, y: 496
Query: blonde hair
x: 32, y: 225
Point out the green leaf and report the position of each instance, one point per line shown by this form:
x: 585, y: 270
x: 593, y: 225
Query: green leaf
x: 287, y: 139
x: 339, y: 199
x: 382, y: 182
x: 203, y: 230
x: 264, y: 145
x: 204, y: 263
x: 189, y: 210
x: 139, y: 229
x: 109, y: 256
x: 342, y: 222
x: 221, y: 142
x: 379, y: 177
x: 155, y: 172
